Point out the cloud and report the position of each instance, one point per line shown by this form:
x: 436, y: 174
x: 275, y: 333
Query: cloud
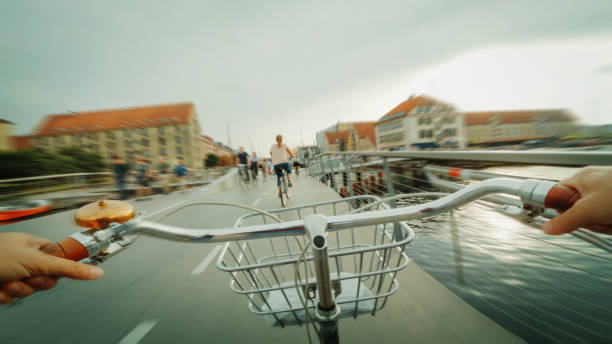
x: 256, y: 65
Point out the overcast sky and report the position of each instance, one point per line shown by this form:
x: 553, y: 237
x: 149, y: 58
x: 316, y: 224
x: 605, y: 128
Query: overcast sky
x: 295, y: 67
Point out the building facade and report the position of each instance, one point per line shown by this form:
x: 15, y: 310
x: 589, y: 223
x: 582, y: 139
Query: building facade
x: 420, y: 122
x: 348, y: 136
x: 172, y: 131
x: 487, y: 128
x: 6, y: 132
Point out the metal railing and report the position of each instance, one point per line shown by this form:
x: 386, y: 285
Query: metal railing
x: 509, y: 271
x: 19, y: 187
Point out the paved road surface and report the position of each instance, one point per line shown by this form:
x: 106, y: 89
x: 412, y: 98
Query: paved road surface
x: 165, y: 292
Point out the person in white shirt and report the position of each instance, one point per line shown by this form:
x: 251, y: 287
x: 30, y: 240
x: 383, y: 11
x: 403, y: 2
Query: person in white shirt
x: 280, y: 160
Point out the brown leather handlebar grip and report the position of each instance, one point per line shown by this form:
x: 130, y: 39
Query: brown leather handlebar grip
x: 561, y: 197
x: 68, y: 248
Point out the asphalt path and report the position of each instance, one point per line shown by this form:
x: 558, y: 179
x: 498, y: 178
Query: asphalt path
x: 160, y: 291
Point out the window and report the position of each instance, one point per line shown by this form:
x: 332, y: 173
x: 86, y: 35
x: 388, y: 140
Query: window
x: 161, y: 131
x: 178, y: 140
x: 177, y: 129
x: 421, y: 134
x: 127, y: 144
x: 127, y: 133
x: 76, y: 139
x: 162, y: 151
x: 145, y: 152
x: 389, y: 126
x: 94, y: 147
x: 143, y: 131
x: 110, y: 145
x: 110, y: 135
x: 145, y: 142
x: 161, y: 140
x: 92, y: 136
x: 429, y: 133
x: 179, y: 150
x: 59, y: 140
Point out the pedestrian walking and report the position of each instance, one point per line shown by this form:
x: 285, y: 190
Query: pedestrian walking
x: 120, y: 168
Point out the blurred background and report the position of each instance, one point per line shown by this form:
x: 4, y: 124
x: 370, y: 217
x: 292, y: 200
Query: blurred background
x: 116, y: 99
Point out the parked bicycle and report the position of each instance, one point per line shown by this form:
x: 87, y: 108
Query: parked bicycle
x: 364, y: 246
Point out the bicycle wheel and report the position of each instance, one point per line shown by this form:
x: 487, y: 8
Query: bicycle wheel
x: 286, y: 190
x: 283, y: 191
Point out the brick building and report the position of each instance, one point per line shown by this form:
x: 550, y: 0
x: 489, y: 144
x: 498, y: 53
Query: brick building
x: 348, y: 136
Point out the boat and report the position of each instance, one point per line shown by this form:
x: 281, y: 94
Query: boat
x: 23, y: 209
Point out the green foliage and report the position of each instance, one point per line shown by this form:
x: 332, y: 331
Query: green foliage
x: 37, y: 162
x: 212, y: 160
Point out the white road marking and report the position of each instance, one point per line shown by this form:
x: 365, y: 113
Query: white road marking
x: 200, y: 268
x: 257, y: 201
x: 138, y: 332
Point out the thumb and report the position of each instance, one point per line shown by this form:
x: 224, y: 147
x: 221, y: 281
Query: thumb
x: 60, y: 267
x: 570, y: 220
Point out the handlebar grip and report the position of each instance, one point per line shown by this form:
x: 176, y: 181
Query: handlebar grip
x: 68, y: 248
x: 561, y: 197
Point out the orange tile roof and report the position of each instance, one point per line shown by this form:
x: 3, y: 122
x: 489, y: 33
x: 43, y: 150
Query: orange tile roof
x: 516, y: 116
x: 209, y: 139
x: 366, y: 130
x: 136, y: 117
x: 407, y: 106
x: 335, y: 136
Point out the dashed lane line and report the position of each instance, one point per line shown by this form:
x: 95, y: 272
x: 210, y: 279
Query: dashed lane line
x: 138, y: 332
x: 200, y: 268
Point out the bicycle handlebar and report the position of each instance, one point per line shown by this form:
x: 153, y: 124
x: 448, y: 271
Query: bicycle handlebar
x: 561, y: 197
x: 536, y: 193
x: 68, y: 248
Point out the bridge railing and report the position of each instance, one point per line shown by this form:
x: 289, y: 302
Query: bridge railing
x: 18, y: 187
x: 328, y: 166
x: 542, y: 287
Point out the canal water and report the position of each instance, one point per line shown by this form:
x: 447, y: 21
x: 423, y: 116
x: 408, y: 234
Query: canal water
x: 545, y: 289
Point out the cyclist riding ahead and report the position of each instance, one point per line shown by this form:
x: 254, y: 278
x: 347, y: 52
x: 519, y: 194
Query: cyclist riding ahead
x: 280, y: 160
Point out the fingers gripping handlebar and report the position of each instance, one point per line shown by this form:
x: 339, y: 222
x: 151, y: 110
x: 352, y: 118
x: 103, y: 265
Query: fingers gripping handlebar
x: 92, y: 243
x: 561, y: 197
x: 68, y: 248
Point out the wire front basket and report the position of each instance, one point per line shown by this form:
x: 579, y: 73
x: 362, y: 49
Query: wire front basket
x: 363, y: 263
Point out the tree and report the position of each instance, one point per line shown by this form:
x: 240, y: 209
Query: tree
x: 212, y: 160
x: 85, y: 161
x: 38, y: 162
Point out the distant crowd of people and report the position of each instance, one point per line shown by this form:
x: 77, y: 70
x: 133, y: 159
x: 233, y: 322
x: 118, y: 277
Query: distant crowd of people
x: 144, y: 174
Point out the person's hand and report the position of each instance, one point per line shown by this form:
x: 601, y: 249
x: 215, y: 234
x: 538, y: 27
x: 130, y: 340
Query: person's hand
x: 24, y: 268
x: 593, y: 210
